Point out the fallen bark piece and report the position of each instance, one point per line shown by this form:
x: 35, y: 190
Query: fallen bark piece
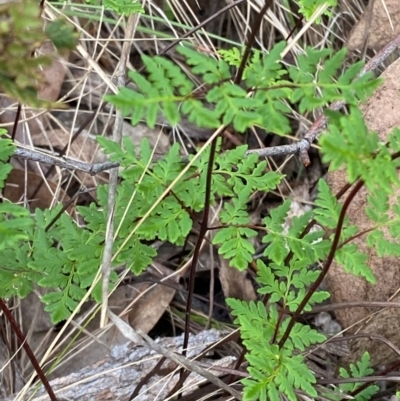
x: 116, y: 377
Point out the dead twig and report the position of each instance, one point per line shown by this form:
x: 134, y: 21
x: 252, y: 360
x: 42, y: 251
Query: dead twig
x: 63, y: 162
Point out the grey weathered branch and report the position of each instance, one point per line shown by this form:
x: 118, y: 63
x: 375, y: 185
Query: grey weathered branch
x: 63, y: 162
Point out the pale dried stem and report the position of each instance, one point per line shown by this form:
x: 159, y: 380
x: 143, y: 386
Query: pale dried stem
x: 113, y: 181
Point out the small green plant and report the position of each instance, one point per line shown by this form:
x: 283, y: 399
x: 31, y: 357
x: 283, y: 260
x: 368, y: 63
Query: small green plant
x: 122, y: 7
x: 64, y: 257
x: 234, y: 57
x: 361, y: 369
x: 14, y: 220
x: 273, y: 370
x: 21, y: 34
x: 309, y: 7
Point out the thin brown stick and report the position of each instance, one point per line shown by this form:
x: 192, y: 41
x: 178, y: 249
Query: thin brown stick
x: 197, y: 249
x: 370, y: 336
x: 368, y: 379
x: 16, y: 121
x: 355, y: 304
x: 64, y: 150
x: 201, y: 25
x: 204, y: 223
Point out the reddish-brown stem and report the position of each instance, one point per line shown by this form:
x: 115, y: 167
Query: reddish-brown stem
x: 147, y: 377
x: 250, y: 42
x: 27, y: 348
x: 310, y: 225
x: 204, y: 223
x: 197, y: 249
x: 358, y: 235
x: 16, y: 121
x: 237, y: 226
x: 327, y: 264
x: 296, y: 25
x: 67, y: 205
x: 278, y: 323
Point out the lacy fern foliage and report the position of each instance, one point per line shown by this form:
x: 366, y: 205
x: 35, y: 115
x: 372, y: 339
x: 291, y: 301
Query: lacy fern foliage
x: 261, y: 101
x: 64, y: 257
x: 274, y: 370
x: 361, y: 369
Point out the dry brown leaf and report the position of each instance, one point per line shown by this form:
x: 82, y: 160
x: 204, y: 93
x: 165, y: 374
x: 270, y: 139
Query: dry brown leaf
x: 50, y: 90
x: 379, y: 31
x: 151, y: 303
x: 382, y: 113
x: 53, y: 75
x: 234, y: 283
x: 19, y: 181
